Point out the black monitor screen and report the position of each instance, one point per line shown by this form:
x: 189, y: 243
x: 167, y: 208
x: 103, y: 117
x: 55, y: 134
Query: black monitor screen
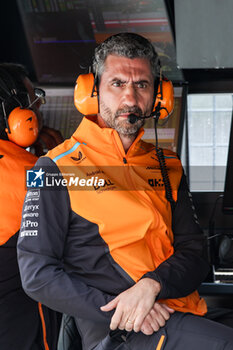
x: 228, y: 190
x: 62, y: 34
x: 61, y: 41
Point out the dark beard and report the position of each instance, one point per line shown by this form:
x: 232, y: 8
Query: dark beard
x: 123, y: 127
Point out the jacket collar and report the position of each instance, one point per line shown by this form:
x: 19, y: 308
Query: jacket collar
x: 105, y: 139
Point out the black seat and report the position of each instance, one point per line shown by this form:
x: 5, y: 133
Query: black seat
x: 69, y: 337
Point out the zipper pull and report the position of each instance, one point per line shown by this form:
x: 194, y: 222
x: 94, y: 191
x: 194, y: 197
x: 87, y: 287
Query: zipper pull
x: 124, y: 160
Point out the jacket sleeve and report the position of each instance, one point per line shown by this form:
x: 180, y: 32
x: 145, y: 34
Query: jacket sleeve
x: 186, y: 269
x: 45, y: 223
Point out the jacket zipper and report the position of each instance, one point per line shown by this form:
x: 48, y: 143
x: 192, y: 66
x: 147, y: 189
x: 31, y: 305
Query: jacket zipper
x: 124, y: 159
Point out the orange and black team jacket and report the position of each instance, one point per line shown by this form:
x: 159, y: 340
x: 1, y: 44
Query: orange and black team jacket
x: 20, y: 316
x: 15, y: 304
x: 83, y: 243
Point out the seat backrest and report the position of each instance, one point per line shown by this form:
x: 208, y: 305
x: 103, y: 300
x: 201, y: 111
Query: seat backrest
x: 69, y: 337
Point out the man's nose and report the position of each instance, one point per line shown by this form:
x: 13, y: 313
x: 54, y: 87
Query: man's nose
x: 130, y: 95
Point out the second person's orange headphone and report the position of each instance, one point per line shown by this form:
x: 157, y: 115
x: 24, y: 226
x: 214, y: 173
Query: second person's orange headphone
x: 21, y: 123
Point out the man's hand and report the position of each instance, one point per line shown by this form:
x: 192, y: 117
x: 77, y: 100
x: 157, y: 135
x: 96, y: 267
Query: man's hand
x: 156, y: 318
x: 133, y: 305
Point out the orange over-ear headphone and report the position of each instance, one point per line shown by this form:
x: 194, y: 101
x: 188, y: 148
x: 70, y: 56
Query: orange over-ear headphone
x: 164, y: 102
x: 86, y: 96
x: 22, y: 127
x: 21, y: 123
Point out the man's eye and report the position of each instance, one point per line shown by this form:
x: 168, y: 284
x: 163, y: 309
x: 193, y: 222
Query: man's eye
x: 116, y: 83
x: 141, y: 85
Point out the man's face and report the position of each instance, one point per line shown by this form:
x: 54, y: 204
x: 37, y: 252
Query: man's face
x: 126, y: 87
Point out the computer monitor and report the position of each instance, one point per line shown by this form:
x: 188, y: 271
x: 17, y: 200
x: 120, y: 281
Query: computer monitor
x: 227, y: 206
x: 60, y: 38
x: 62, y: 34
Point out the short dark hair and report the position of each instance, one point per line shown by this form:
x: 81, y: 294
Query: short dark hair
x: 12, y: 76
x: 128, y: 45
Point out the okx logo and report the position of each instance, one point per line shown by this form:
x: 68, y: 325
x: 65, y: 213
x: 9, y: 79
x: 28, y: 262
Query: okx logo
x: 35, y: 178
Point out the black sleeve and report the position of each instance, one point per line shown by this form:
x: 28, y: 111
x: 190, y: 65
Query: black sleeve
x: 186, y: 269
x: 45, y: 224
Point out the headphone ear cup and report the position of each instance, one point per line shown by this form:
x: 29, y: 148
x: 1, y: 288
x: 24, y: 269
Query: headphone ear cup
x: 165, y: 96
x: 85, y: 99
x: 23, y: 127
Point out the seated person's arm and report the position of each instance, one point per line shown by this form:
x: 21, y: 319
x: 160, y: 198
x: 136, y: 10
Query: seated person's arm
x: 40, y: 251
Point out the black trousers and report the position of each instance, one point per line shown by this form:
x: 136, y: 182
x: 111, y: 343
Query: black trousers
x: 181, y: 332
x: 19, y: 323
